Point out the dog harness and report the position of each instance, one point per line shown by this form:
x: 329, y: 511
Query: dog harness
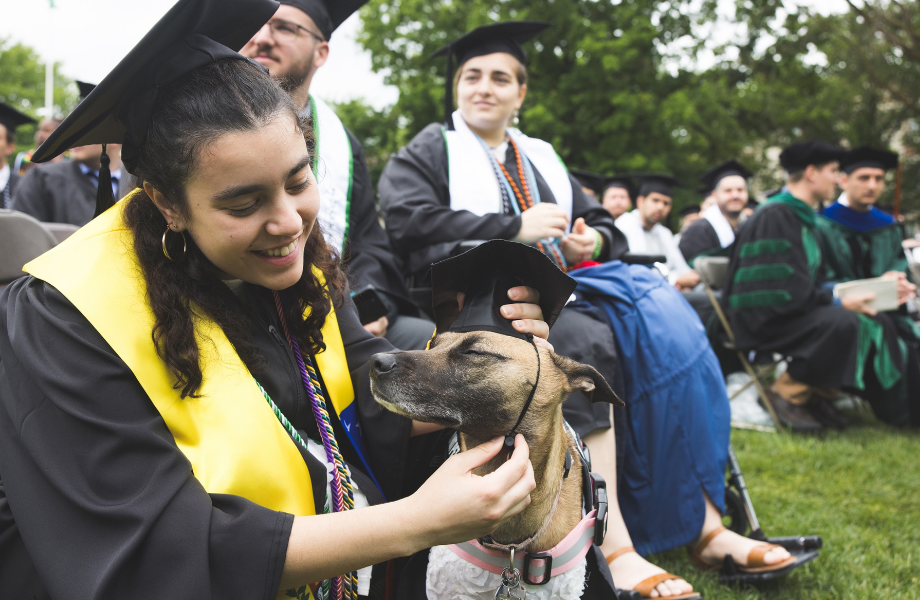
x: 538, y: 568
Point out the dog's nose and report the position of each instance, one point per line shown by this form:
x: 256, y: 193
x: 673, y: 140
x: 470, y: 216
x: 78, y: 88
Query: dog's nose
x: 383, y: 363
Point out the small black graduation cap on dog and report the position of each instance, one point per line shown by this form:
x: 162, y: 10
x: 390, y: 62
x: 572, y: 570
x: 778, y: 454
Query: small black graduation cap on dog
x: 12, y: 118
x: 488, y: 39
x: 864, y: 156
x: 711, y: 178
x: 485, y: 274
x: 327, y: 14
x: 192, y: 34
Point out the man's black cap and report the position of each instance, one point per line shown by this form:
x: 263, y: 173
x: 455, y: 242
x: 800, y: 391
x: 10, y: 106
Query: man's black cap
x: 12, y: 118
x: 592, y: 181
x: 485, y: 274
x: 488, y: 39
x: 192, y: 34
x: 327, y: 14
x: 690, y: 209
x: 85, y: 89
x: 864, y: 156
x: 620, y: 181
x: 798, y: 156
x: 711, y: 178
x: 656, y: 182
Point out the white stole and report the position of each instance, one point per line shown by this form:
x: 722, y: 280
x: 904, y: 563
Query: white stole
x: 471, y: 176
x: 334, y: 171
x: 721, y: 225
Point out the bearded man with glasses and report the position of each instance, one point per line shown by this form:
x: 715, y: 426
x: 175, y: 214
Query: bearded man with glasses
x: 293, y: 45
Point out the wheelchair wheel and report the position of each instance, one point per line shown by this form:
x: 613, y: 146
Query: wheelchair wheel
x: 735, y: 517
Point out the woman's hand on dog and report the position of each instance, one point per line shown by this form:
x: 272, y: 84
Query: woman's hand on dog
x: 455, y: 505
x: 525, y: 315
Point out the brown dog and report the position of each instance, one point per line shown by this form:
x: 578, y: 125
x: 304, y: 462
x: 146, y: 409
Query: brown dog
x: 478, y: 383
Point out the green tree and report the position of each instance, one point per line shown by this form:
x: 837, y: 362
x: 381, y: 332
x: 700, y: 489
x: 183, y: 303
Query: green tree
x: 23, y: 87
x: 378, y: 130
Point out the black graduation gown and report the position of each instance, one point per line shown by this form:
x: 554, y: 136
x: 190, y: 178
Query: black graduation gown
x: 415, y: 200
x: 700, y: 237
x: 96, y: 499
x: 368, y: 257
x: 775, y: 302
x: 61, y: 193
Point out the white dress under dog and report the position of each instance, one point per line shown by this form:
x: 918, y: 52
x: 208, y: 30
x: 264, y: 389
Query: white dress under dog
x: 450, y: 577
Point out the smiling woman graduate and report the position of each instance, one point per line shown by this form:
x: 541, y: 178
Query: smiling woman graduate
x: 183, y: 383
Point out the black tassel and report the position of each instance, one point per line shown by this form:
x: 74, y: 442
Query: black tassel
x: 104, y: 197
x: 449, y: 90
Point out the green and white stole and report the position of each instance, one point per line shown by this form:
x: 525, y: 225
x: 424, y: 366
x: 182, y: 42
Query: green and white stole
x: 471, y: 176
x: 333, y: 166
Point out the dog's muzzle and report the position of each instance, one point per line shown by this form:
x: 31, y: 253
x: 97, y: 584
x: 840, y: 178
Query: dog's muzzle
x: 383, y: 363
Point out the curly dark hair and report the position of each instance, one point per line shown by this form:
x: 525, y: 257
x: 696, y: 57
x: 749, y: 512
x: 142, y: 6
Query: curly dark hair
x: 223, y: 97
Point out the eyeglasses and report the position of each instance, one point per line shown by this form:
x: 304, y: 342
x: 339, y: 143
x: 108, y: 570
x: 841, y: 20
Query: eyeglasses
x: 286, y: 32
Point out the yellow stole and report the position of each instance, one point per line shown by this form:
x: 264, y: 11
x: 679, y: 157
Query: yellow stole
x: 229, y: 434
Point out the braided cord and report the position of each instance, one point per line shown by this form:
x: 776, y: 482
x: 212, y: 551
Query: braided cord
x: 346, y: 586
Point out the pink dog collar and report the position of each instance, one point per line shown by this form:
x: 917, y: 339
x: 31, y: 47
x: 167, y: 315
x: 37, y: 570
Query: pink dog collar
x: 539, y: 567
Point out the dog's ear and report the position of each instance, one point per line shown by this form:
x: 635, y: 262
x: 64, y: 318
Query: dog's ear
x: 586, y: 379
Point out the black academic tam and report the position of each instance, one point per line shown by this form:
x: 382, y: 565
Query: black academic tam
x: 864, y: 156
x: 813, y: 152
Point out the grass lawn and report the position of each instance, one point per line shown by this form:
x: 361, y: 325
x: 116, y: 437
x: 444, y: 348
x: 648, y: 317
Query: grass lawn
x: 858, y: 489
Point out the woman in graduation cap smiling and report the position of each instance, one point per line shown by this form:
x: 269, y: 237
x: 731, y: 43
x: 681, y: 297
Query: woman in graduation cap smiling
x: 183, y: 384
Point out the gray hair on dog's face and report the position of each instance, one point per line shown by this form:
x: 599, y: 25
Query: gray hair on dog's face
x: 478, y: 382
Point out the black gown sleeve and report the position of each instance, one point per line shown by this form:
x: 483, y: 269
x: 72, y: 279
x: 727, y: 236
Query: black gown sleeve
x: 415, y: 200
x: 369, y: 259
x: 699, y: 237
x: 596, y: 216
x: 30, y: 196
x: 103, y: 503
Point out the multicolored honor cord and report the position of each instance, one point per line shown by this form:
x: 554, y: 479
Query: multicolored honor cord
x: 344, y: 587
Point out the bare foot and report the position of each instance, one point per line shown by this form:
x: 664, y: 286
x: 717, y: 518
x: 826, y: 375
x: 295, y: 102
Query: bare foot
x: 729, y: 542
x: 629, y: 569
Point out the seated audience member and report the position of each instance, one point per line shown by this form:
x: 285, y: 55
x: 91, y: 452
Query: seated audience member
x: 10, y: 119
x: 65, y: 192
x: 617, y: 195
x: 714, y: 233
x: 293, y: 45
x: 777, y: 302
x: 688, y: 216
x: 476, y: 178
x: 646, y: 234
x: 23, y: 160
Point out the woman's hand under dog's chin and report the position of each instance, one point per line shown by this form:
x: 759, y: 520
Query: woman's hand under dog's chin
x: 455, y: 505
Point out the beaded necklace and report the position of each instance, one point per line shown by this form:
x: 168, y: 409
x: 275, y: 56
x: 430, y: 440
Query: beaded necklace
x: 344, y: 587
x: 523, y: 199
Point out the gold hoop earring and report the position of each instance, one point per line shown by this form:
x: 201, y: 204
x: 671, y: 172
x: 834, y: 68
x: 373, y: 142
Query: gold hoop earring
x: 184, y: 246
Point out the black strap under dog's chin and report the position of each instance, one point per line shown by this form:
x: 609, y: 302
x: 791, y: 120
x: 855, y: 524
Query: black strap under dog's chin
x: 509, y: 439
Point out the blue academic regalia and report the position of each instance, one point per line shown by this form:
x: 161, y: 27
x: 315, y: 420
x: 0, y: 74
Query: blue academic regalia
x: 676, y: 403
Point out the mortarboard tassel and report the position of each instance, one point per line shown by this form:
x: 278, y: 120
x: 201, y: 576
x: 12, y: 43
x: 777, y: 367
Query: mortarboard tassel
x: 104, y: 196
x: 449, y: 90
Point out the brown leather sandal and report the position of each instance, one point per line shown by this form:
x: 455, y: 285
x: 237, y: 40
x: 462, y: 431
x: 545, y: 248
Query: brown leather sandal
x: 646, y: 586
x: 755, y: 563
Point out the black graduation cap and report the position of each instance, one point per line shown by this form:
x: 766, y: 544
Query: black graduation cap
x: 327, y: 14
x: 12, y: 118
x: 753, y: 204
x: 485, y: 274
x: 592, y: 181
x: 85, y: 89
x: 620, y: 181
x: 691, y: 209
x: 192, y: 34
x: 711, y: 178
x: 813, y: 152
x: 488, y: 39
x: 864, y: 156
x: 656, y: 182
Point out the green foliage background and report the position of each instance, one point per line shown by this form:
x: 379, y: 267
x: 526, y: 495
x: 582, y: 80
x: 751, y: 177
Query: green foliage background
x: 617, y: 86
x: 22, y: 86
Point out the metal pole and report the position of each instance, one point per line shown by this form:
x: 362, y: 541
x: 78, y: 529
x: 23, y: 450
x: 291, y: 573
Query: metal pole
x: 49, y: 88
